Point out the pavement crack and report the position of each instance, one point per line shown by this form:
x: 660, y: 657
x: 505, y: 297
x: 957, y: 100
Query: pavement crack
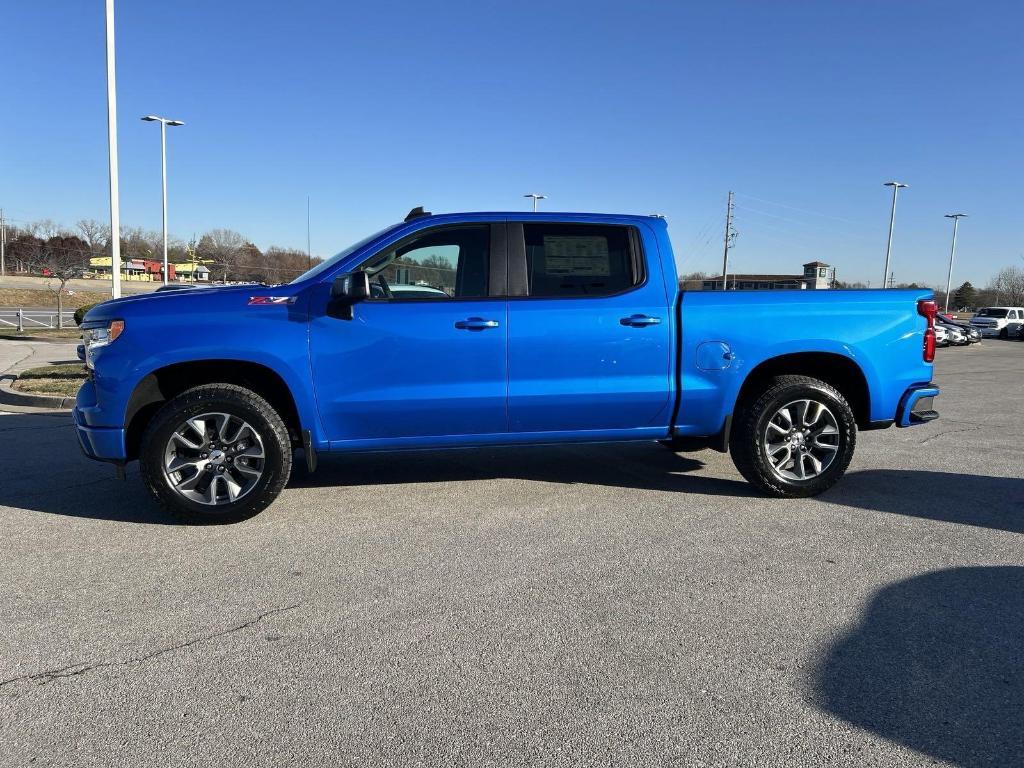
x: 949, y: 432
x: 73, y: 670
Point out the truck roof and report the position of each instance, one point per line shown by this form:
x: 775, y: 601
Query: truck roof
x: 539, y: 216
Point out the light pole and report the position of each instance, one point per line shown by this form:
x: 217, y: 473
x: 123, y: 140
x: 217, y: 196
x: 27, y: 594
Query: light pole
x: 536, y: 197
x: 896, y: 187
x: 115, y: 210
x: 164, y: 122
x: 952, y: 252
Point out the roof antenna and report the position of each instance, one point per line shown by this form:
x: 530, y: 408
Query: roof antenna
x: 417, y: 213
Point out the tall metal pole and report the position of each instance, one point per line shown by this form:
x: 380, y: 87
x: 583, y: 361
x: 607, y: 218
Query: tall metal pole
x: 728, y: 233
x: 536, y: 197
x: 3, y: 245
x: 896, y: 187
x: 164, y: 122
x: 115, y: 211
x: 309, y: 253
x: 952, y: 253
x: 163, y: 181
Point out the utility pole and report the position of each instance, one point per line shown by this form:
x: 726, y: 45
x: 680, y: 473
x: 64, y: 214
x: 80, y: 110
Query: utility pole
x: 729, y: 237
x: 952, y: 252
x: 309, y: 254
x: 896, y: 187
x: 3, y: 245
x: 115, y: 206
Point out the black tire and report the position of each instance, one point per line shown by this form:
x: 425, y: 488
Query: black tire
x: 747, y: 443
x: 1004, y: 334
x: 235, y: 401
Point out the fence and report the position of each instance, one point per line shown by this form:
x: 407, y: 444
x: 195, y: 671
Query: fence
x: 32, y: 318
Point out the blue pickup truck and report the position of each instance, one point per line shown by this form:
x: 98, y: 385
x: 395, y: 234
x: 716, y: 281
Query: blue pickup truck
x: 460, y: 330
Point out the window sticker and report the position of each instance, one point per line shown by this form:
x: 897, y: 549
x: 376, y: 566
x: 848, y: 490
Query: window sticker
x: 575, y: 255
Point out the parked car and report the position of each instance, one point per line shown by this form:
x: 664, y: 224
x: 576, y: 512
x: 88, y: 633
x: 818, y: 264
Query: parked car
x: 562, y: 328
x: 941, y: 336
x: 973, y: 334
x: 957, y: 337
x: 996, y: 321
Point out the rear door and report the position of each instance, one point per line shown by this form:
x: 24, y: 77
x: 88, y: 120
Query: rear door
x: 426, y: 359
x: 590, y: 341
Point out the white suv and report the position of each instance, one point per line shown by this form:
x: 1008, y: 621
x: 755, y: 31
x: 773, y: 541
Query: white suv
x: 998, y: 321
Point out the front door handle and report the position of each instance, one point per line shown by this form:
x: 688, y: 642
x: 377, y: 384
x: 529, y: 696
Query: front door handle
x: 475, y: 324
x: 639, y: 321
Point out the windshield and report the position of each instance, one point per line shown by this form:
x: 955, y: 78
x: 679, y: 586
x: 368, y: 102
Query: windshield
x: 992, y: 312
x: 326, y: 265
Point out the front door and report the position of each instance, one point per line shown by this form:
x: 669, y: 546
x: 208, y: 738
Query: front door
x: 425, y: 355
x: 590, y: 344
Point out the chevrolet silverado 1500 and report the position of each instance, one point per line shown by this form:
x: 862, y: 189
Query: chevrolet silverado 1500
x: 528, y: 328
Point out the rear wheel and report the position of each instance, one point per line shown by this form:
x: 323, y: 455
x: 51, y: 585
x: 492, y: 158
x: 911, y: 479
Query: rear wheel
x: 1004, y: 334
x: 216, y: 453
x: 795, y: 439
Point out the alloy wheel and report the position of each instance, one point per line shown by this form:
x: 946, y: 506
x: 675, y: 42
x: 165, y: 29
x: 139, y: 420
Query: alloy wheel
x: 214, y: 459
x: 801, y: 440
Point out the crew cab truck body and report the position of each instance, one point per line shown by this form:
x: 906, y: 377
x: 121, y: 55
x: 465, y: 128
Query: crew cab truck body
x: 538, y: 328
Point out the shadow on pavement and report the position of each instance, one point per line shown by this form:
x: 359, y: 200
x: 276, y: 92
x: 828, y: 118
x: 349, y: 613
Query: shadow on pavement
x: 646, y: 466
x: 987, y: 502
x: 42, y: 468
x: 937, y: 664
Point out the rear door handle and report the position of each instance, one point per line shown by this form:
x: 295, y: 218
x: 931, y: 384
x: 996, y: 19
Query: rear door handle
x: 475, y: 324
x: 639, y: 321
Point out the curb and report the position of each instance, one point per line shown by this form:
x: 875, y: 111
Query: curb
x: 9, y: 396
x: 38, y: 339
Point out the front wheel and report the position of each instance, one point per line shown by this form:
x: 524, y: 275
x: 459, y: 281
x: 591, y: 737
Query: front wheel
x: 795, y: 439
x: 216, y: 453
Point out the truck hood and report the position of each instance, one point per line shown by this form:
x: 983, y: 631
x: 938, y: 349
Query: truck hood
x: 185, y: 301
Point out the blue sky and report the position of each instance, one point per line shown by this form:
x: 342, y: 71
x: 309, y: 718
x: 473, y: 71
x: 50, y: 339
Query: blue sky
x: 802, y: 108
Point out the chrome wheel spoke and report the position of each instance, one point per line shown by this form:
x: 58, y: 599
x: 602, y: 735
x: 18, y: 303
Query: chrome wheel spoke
x: 801, y: 440
x: 214, y: 459
x: 247, y: 470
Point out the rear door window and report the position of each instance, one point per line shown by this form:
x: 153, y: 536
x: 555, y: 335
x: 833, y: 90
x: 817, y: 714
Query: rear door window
x: 573, y: 260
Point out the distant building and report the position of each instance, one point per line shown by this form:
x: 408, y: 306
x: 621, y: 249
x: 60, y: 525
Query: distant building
x: 184, y: 272
x: 816, y: 275
x: 132, y: 269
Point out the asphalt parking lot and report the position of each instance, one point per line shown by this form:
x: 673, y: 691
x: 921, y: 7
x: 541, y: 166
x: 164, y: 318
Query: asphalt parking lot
x: 547, y: 606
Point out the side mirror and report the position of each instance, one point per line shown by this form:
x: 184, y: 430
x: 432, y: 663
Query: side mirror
x: 348, y: 290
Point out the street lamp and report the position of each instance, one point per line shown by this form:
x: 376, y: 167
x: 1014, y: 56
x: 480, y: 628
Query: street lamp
x: 896, y: 187
x: 115, y: 206
x: 952, y: 252
x: 536, y: 197
x: 164, y: 122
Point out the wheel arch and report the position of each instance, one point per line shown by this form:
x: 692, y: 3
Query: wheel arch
x: 837, y: 370
x: 162, y: 384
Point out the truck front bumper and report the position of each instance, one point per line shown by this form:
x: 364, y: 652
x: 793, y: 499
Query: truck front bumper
x: 100, y: 443
x: 917, y: 405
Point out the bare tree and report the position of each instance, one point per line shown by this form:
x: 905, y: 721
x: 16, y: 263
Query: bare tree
x: 95, y: 233
x: 62, y: 259
x: 44, y: 229
x: 1008, y: 286
x: 222, y: 247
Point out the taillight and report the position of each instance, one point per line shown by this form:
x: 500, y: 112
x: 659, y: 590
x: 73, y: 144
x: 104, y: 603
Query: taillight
x: 927, y: 308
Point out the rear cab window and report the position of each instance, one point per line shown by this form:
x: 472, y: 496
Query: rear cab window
x: 575, y: 260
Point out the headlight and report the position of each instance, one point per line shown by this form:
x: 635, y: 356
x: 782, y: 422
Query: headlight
x: 95, y: 338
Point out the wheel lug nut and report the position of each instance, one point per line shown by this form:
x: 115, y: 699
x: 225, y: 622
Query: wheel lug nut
x: 202, y: 455
x: 220, y: 469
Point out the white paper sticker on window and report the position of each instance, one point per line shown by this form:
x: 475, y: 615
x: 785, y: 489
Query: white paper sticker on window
x: 574, y: 255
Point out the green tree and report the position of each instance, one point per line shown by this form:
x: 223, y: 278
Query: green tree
x: 965, y: 296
